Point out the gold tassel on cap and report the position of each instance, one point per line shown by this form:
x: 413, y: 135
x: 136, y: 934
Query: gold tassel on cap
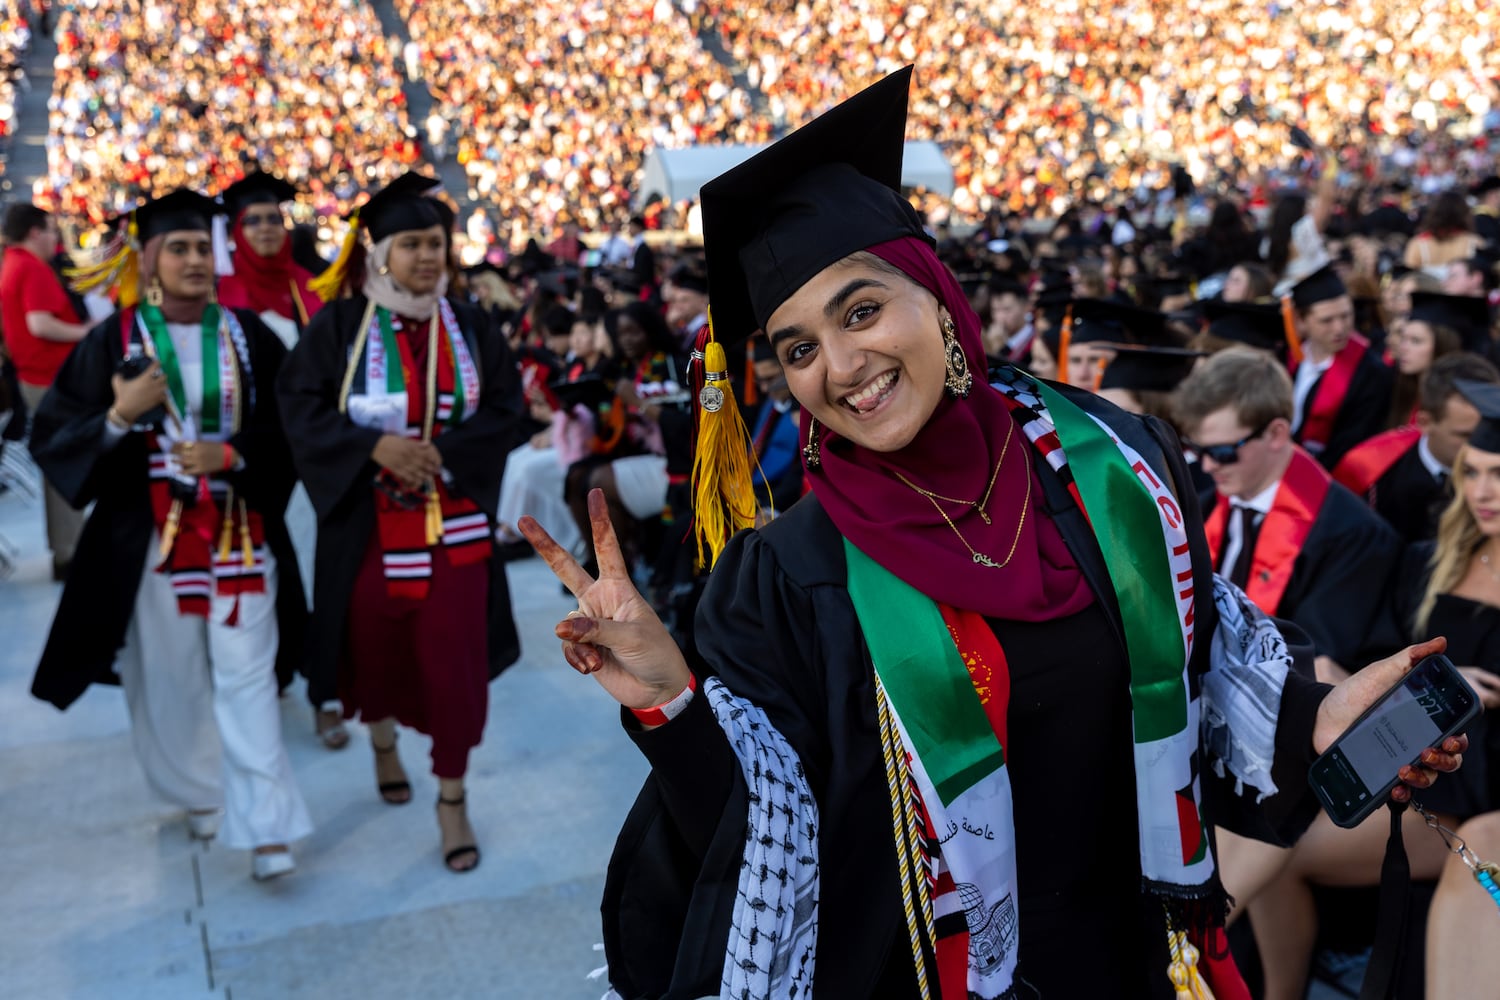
x: 117, y: 265
x: 723, y: 492
x: 1289, y: 325
x: 328, y: 284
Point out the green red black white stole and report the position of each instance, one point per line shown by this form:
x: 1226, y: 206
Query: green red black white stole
x: 382, y: 391
x: 211, y: 543
x: 942, y: 693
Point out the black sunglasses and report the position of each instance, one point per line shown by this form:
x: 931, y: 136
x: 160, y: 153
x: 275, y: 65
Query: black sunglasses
x: 1225, y: 454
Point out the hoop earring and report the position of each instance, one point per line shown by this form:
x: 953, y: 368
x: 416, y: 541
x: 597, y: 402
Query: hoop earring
x: 959, y: 380
x: 154, y: 294
x: 812, y: 452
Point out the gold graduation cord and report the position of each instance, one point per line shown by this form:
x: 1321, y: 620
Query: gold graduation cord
x: 174, y: 512
x: 297, y: 301
x: 909, y: 856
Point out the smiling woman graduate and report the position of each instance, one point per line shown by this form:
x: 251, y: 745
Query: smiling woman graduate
x: 164, y: 417
x: 941, y: 734
x: 400, y: 407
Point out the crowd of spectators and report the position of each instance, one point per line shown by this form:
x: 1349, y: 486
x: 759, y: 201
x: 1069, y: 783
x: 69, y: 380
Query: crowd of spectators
x: 15, y: 41
x: 152, y: 94
x: 554, y: 104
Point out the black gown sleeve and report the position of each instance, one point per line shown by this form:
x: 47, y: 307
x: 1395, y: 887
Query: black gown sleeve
x: 1364, y: 411
x: 67, y: 434
x: 474, y: 451
x: 332, y: 453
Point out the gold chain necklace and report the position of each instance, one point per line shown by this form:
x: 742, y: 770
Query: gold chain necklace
x: 980, y: 559
x: 978, y: 505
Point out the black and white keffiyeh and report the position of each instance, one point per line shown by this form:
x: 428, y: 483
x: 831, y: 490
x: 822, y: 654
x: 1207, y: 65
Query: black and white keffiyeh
x: 1249, y: 661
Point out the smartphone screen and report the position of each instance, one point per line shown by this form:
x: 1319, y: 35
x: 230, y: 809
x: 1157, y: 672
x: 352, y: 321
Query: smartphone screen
x: 1356, y: 774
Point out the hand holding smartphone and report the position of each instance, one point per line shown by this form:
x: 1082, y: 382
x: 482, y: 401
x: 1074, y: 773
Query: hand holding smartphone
x: 1355, y: 775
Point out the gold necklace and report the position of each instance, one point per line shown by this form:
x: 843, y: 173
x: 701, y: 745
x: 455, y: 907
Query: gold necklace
x: 980, y: 504
x: 980, y: 559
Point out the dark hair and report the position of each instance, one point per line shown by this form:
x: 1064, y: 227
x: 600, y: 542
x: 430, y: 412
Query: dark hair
x: 1261, y: 282
x: 1438, y: 381
x: 1284, y: 215
x: 1482, y: 267
x: 1447, y: 215
x: 658, y: 334
x: 557, y: 321
x: 20, y: 219
x: 1406, y: 394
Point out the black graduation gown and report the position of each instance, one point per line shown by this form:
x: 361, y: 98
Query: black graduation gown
x: 1363, y: 412
x: 1410, y: 498
x: 333, y: 456
x: 1337, y: 590
x: 777, y: 625
x: 67, y: 440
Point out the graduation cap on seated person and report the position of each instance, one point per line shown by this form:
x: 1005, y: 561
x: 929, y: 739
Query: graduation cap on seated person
x: 1486, y: 399
x: 827, y: 190
x: 1322, y: 285
x: 1146, y: 368
x: 590, y: 391
x: 117, y: 264
x: 1254, y: 324
x: 1466, y: 315
x: 407, y: 203
x: 1118, y: 322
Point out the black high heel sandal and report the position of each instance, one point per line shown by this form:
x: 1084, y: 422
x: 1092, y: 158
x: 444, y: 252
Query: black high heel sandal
x: 457, y: 852
x: 395, y: 793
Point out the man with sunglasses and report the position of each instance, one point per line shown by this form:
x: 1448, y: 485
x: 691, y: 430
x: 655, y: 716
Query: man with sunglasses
x: 1301, y: 546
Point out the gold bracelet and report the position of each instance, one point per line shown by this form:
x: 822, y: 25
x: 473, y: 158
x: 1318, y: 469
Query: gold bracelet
x: 119, y: 422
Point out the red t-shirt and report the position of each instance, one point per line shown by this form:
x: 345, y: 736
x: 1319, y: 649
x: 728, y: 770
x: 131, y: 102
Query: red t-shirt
x: 28, y: 285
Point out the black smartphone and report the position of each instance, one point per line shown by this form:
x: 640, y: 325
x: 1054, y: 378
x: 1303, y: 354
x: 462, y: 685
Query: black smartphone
x: 132, y: 367
x: 1355, y: 775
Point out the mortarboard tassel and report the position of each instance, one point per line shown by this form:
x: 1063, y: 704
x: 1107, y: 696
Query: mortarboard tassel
x: 1064, y: 340
x: 117, y: 265
x: 1289, y: 325
x: 328, y: 284
x: 723, y: 493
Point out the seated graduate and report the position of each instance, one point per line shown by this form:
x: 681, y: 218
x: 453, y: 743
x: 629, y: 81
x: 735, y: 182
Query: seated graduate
x: 804, y: 828
x: 164, y: 418
x: 1341, y: 390
x: 400, y: 407
x: 1405, y: 474
x: 1300, y: 545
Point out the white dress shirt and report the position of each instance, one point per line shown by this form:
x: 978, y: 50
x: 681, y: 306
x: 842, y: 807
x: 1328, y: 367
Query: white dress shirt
x: 1308, y: 374
x: 1261, y: 504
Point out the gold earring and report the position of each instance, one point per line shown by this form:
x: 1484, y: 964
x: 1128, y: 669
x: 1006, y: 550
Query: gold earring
x: 213, y: 295
x: 959, y: 380
x: 383, y: 270
x: 154, y: 292
x: 812, y: 454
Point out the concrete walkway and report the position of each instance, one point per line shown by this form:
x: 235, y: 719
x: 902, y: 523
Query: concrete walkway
x: 107, y: 897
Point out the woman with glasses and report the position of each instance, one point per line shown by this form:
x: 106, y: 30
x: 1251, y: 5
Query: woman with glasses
x: 260, y: 275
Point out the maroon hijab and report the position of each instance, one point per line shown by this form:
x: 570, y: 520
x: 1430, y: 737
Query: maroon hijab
x: 954, y: 454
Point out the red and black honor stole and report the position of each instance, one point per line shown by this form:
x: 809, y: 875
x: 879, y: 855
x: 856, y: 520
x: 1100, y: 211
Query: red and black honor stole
x: 211, y: 543
x: 383, y: 367
x: 1327, y: 397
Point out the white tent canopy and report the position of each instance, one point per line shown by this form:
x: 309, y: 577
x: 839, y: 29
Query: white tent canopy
x: 678, y: 174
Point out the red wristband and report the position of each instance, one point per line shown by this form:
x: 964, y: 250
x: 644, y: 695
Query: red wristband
x: 667, y: 711
x: 228, y: 456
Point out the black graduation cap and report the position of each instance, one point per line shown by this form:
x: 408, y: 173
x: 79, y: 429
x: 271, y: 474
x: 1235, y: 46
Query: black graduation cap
x: 1118, y: 322
x: 591, y: 391
x: 622, y: 279
x: 1466, y: 315
x: 829, y: 189
x: 1252, y: 323
x: 404, y: 204
x: 179, y: 209
x: 484, y: 266
x: 1320, y: 286
x: 562, y: 282
x: 689, y: 276
x: 1485, y: 186
x: 762, y: 349
x: 1486, y: 399
x: 1141, y: 368
x: 1301, y: 139
x: 256, y: 188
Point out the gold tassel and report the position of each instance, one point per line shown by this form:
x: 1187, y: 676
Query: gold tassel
x: 1064, y: 341
x: 117, y: 265
x: 1187, y: 981
x: 328, y: 284
x: 226, y: 530
x: 1289, y: 324
x: 247, y: 544
x: 169, y: 530
x: 434, y: 517
x: 723, y: 493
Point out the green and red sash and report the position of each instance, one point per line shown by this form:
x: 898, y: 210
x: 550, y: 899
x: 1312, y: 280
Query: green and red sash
x: 947, y: 683
x: 384, y: 389
x: 1362, y: 467
x: 1328, y: 396
x: 215, y: 545
x: 1283, y: 532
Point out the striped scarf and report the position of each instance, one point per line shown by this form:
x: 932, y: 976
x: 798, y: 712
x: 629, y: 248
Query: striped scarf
x: 381, y: 391
x: 211, y: 543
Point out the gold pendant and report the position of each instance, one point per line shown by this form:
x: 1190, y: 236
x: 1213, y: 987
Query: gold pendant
x: 984, y: 560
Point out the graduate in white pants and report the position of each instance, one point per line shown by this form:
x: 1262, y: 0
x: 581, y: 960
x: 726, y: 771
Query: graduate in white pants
x: 164, y: 417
